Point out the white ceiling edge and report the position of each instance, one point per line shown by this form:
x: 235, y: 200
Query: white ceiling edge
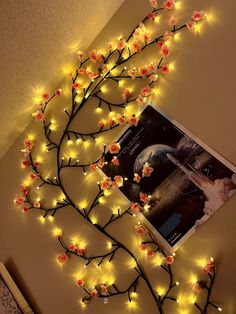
x: 37, y: 38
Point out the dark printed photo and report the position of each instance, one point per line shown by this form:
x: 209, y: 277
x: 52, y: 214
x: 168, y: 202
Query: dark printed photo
x: 183, y: 182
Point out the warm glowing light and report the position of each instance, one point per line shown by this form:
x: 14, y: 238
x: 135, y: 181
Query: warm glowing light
x: 178, y: 5
x: 57, y: 232
x: 172, y: 67
x: 69, y: 142
x: 98, y: 110
x: 102, y: 200
x: 109, y: 244
x: 202, y: 262
x: 94, y: 220
x: 51, y: 218
x: 82, y: 304
x: 193, y: 279
x: 42, y: 219
x: 104, y: 89
x: 132, y: 305
x: 161, y: 291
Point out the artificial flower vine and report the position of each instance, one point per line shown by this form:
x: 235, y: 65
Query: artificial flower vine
x: 87, y: 84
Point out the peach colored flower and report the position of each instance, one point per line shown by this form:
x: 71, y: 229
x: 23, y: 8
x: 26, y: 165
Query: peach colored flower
x: 76, y: 85
x: 146, y: 91
x: 143, y: 246
x: 120, y: 119
x: 151, y: 68
x: 28, y: 144
x: 95, y: 56
x: 114, y: 148
x: 133, y: 120
x: 80, y: 282
x: 209, y: 267
x: 146, y: 38
x: 172, y: 20
x: 58, y: 92
x: 101, y: 162
x: 165, y: 69
x: 191, y: 25
x: 198, y: 15
x: 139, y: 229
x: 150, y: 253
x: 19, y: 200
x: 110, y: 46
x: 111, y: 121
x: 72, y: 247
x: 137, y: 178
x: 153, y: 3
x: 168, y: 35
x: 101, y: 123
x: 168, y: 4
x: 153, y: 77
x: 196, y: 287
x: 143, y: 71
x: 143, y: 197
x: 93, y: 166
x: 104, y: 68
x: 62, y: 258
x: 25, y: 209
x: 121, y: 44
x: 115, y: 161
x: 39, y: 115
x: 105, y: 184
x: 37, y: 164
x: 160, y: 43
x: 126, y: 93
x: 151, y: 15
x: 25, y: 163
x: 103, y: 289
x: 136, y: 46
x: 147, y: 170
x: 82, y: 71
x: 93, y: 75
x: 34, y: 176
x: 80, y: 55
x: 45, y: 95
x: 133, y: 73
x: 141, y: 100
x: 135, y: 207
x: 118, y: 181
x: 169, y: 259
x: 94, y: 293
x: 164, y: 50
x: 24, y: 189
x: 37, y: 204
x: 80, y: 251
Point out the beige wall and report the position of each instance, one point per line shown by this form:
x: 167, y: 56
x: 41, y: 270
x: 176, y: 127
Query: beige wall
x: 200, y: 96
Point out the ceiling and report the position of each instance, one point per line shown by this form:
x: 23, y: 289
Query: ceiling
x: 37, y: 38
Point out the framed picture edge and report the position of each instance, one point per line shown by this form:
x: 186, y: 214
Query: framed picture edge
x: 20, y: 300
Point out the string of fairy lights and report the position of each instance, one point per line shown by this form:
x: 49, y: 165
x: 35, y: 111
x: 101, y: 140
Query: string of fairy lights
x: 89, y: 81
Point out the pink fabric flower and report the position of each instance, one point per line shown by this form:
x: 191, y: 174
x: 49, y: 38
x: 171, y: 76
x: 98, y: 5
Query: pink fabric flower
x: 168, y: 35
x: 143, y: 246
x: 93, y: 166
x: 168, y: 4
x: 80, y: 251
x: 82, y: 71
x: 135, y: 207
x: 25, y: 209
x: 139, y: 229
x: 196, y: 287
x: 198, y: 15
x: 80, y: 282
x: 45, y: 96
x: 114, y: 148
x: 94, y: 293
x: 147, y: 170
x: 24, y: 189
x: 133, y: 120
x: 172, y: 20
x: 135, y: 46
x: 153, y: 77
x: 143, y: 71
x: 209, y: 267
x: 105, y: 184
x: 160, y: 43
x: 62, y: 258
x: 141, y: 100
x: 101, y: 123
x: 111, y: 121
x: 101, y: 162
x: 39, y: 115
x: 118, y: 181
x: 104, y: 68
x: 95, y: 56
x: 133, y: 73
x: 28, y: 144
x: 169, y: 259
x: 72, y: 247
x: 25, y: 163
x: 93, y: 75
x: 165, y: 69
x: 80, y: 55
x: 146, y: 91
x: 37, y: 164
x: 37, y: 204
x: 143, y: 197
x: 151, y: 68
x: 191, y: 25
x: 120, y: 119
x: 137, y: 178
x: 126, y: 93
x: 153, y: 3
x: 121, y: 44
x: 150, y: 253
x: 115, y: 161
x: 164, y: 50
x: 146, y: 38
x: 34, y: 176
x: 58, y: 92
x: 19, y: 200
x: 151, y: 15
x: 76, y: 85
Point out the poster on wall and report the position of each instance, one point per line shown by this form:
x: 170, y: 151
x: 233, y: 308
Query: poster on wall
x: 188, y: 180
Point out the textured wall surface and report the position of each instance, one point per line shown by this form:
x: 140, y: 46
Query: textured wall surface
x: 37, y: 38
x: 199, y: 94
